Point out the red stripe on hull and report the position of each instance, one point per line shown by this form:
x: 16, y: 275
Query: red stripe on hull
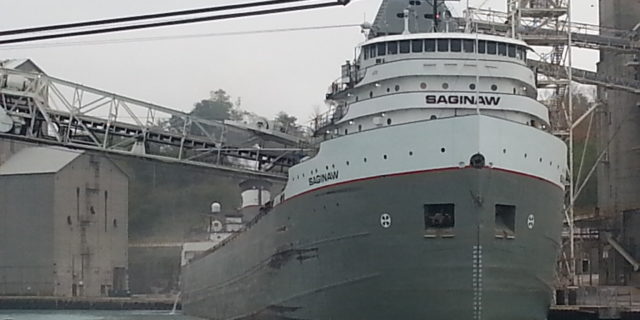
x: 417, y: 172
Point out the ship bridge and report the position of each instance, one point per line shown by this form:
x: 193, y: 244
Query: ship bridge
x: 408, y: 77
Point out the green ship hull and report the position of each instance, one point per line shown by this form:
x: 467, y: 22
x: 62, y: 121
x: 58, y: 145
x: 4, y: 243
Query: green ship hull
x: 367, y: 250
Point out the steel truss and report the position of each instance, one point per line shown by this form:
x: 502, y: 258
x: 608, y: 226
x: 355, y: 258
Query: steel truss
x: 44, y: 109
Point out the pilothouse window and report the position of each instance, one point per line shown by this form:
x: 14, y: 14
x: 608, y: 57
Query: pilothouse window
x: 416, y: 46
x: 492, y: 47
x: 382, y: 49
x: 430, y: 45
x: 511, y: 50
x: 456, y: 45
x: 392, y: 47
x: 405, y: 46
x: 469, y: 45
x: 502, y: 49
x: 443, y: 45
x: 482, y: 46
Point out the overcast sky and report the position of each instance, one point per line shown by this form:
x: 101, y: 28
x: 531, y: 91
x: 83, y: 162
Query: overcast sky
x: 270, y: 72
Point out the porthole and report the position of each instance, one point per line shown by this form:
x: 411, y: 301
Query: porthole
x: 504, y: 151
x: 494, y: 87
x: 356, y: 98
x: 540, y: 160
x: 359, y: 127
x: 423, y: 86
x: 389, y: 121
x: 365, y: 159
x: 397, y: 88
x: 550, y: 163
x: 525, y: 155
x: 316, y: 170
x: 370, y: 94
x: 346, y: 132
x: 472, y: 86
x: 443, y: 150
x: 347, y: 162
x: 433, y: 117
x: 327, y: 167
x: 410, y: 153
x: 333, y: 166
x: 384, y: 157
x: 388, y: 90
x: 445, y: 86
x: 303, y: 175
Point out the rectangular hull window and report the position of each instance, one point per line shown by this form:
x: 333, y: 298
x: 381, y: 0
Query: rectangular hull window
x: 505, y: 221
x: 439, y: 220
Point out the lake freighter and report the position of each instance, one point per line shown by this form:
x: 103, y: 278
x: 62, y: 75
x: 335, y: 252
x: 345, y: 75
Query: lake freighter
x: 435, y: 194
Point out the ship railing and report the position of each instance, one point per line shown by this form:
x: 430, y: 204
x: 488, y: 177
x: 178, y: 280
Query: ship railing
x: 351, y: 75
x: 329, y: 118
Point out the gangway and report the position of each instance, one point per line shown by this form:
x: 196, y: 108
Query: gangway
x: 39, y: 108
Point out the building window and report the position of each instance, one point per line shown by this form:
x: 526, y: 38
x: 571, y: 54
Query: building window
x: 505, y: 221
x: 439, y: 219
x: 443, y: 45
x: 492, y: 47
x: 416, y: 46
x: 456, y: 45
x: 430, y: 45
x: 392, y: 47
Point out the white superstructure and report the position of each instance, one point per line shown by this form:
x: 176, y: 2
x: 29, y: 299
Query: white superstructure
x: 430, y: 101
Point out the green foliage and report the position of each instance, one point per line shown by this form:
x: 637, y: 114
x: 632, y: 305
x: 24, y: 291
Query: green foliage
x: 285, y: 122
x: 218, y: 107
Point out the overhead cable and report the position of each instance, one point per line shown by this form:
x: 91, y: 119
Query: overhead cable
x: 146, y: 17
x: 173, y: 37
x: 175, y: 22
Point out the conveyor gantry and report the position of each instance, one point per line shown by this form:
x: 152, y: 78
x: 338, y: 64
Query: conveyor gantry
x: 39, y: 108
x: 537, y: 33
x: 586, y: 77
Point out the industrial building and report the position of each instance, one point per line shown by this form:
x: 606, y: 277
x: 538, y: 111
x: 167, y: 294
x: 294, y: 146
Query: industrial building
x: 63, y: 224
x: 619, y: 171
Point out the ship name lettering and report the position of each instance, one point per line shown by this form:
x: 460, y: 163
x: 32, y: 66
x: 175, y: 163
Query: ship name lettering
x: 324, y: 177
x: 483, y: 100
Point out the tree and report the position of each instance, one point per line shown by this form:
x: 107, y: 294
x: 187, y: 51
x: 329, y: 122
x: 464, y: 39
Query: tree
x: 217, y: 107
x: 286, y: 123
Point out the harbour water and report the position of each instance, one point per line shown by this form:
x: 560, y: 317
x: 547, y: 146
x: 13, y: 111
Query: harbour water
x: 90, y: 315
